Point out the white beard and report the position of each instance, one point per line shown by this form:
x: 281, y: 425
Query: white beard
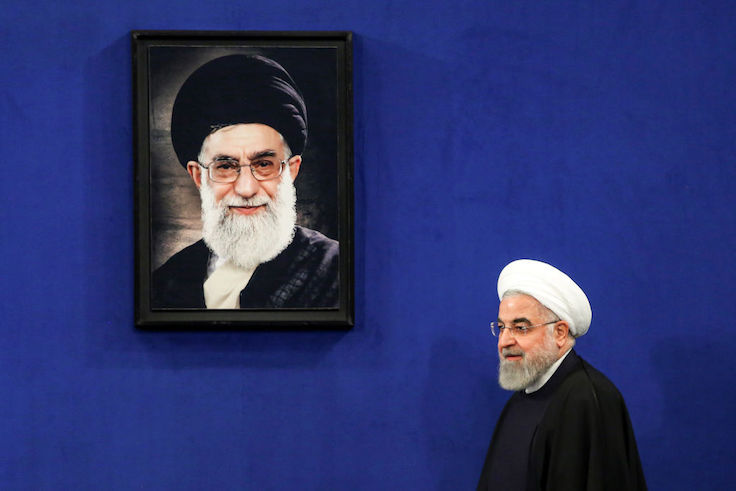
x: 518, y: 375
x: 249, y: 240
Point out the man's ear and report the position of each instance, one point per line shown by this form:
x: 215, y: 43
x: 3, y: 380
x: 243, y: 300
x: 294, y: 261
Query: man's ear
x: 560, y: 333
x: 195, y: 171
x: 294, y: 163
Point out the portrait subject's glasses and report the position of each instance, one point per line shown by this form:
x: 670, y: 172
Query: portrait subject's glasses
x: 517, y: 329
x: 226, y: 170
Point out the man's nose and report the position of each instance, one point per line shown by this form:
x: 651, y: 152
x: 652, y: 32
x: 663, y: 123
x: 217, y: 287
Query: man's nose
x: 246, y: 185
x: 505, y: 339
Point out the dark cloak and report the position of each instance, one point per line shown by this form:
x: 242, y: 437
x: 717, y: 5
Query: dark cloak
x: 304, y: 275
x: 572, y: 434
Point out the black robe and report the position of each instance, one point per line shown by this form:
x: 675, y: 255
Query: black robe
x: 572, y: 434
x: 304, y: 275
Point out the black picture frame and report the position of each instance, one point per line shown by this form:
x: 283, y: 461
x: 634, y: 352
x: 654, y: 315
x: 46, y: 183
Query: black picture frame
x: 167, y: 207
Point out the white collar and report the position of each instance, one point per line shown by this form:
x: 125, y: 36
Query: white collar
x: 547, y: 375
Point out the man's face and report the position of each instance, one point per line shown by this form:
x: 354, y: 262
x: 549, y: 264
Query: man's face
x: 524, y: 358
x: 244, y: 143
x: 247, y: 221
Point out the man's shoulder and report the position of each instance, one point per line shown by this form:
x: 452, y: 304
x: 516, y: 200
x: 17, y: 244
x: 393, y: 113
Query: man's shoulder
x: 586, y: 436
x: 603, y: 385
x: 311, y: 238
x: 193, y: 252
x: 305, y: 274
x: 178, y: 282
x: 311, y: 247
x: 584, y: 387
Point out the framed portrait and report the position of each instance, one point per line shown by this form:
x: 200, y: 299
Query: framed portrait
x: 243, y: 179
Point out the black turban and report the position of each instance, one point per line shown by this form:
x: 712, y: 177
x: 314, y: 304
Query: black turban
x: 237, y: 89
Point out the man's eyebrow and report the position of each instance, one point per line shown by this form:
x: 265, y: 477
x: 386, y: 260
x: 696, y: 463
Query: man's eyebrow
x: 223, y: 156
x: 253, y: 156
x: 518, y: 320
x: 262, y: 153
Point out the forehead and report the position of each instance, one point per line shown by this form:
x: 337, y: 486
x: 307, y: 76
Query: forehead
x: 243, y: 139
x: 518, y: 307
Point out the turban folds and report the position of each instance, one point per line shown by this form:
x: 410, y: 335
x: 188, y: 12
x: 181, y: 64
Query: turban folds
x: 232, y: 90
x: 552, y: 288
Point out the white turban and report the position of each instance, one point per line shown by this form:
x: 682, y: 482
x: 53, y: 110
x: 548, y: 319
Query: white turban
x: 552, y: 288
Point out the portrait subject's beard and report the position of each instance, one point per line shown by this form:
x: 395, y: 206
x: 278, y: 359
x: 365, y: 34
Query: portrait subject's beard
x: 518, y: 375
x: 249, y: 240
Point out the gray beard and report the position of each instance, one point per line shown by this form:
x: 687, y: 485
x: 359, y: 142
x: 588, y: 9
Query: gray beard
x: 248, y: 241
x: 518, y: 375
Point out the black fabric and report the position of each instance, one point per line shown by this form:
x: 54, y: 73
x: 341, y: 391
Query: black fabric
x: 304, y: 275
x: 572, y: 434
x: 237, y: 89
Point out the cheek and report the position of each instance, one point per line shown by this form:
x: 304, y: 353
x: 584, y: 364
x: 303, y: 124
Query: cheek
x: 529, y: 343
x: 220, y: 191
x: 270, y: 188
x: 523, y: 346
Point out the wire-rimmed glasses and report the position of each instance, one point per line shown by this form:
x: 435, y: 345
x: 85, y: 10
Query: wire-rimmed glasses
x: 227, y: 170
x: 516, y: 330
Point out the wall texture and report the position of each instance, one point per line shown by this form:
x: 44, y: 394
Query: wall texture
x: 598, y: 136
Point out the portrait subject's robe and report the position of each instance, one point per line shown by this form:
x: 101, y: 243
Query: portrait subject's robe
x: 574, y: 433
x: 304, y: 275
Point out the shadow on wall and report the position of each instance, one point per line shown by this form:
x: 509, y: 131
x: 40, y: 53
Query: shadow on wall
x: 112, y: 339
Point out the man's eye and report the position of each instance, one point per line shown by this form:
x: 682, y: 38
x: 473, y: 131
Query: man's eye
x: 226, y: 165
x: 263, y: 164
x: 521, y: 328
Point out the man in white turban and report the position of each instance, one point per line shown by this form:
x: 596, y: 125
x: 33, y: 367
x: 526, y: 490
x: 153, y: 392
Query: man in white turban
x: 566, y: 425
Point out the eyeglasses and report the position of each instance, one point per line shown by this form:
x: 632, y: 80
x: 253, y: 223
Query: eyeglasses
x: 517, y: 330
x: 226, y: 170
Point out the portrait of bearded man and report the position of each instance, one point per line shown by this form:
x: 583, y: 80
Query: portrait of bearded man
x: 239, y: 128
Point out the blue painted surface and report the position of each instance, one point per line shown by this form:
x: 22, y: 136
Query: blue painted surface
x: 597, y: 136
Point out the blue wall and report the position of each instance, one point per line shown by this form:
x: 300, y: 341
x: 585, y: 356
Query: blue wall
x: 596, y: 136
